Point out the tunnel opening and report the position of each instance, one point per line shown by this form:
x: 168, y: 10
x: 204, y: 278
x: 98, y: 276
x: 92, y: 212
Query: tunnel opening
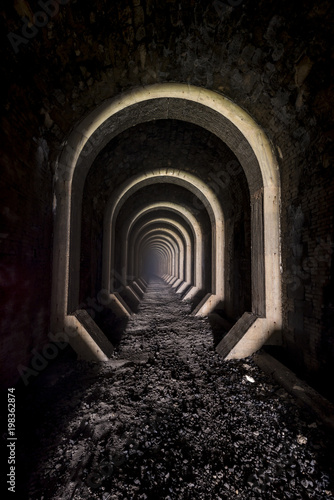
x: 135, y: 180
x: 251, y: 161
x: 236, y: 204
x: 153, y: 264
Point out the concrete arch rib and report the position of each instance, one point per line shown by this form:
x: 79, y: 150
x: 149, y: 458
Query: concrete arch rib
x: 220, y: 116
x: 166, y: 258
x: 164, y: 264
x: 160, y: 265
x: 190, y: 219
x: 201, y: 191
x: 179, y: 251
x: 173, y: 239
x: 181, y: 230
x: 171, y: 248
x: 165, y: 223
x: 165, y: 252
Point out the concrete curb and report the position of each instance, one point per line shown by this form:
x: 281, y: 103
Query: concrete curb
x: 305, y: 395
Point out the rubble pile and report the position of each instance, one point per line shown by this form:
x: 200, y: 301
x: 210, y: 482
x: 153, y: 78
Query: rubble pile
x: 167, y: 418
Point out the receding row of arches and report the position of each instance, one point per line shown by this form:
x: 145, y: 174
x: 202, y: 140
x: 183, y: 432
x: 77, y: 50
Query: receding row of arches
x: 176, y: 181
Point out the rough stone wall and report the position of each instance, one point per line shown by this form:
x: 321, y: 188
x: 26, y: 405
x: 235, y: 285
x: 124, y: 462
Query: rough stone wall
x: 273, y: 58
x: 308, y: 254
x: 26, y: 230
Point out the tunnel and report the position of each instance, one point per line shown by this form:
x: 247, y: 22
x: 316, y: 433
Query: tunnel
x: 166, y: 270
x: 233, y: 191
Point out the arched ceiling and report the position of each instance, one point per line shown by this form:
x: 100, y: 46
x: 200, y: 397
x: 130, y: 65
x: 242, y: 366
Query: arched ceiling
x: 163, y: 144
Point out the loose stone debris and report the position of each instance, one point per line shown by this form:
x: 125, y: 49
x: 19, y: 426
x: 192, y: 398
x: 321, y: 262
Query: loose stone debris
x: 167, y: 418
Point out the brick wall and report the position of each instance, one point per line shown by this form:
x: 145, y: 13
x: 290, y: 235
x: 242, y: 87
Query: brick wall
x: 26, y: 232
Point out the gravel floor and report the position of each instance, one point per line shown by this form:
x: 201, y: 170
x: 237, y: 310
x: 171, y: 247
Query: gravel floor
x: 166, y: 418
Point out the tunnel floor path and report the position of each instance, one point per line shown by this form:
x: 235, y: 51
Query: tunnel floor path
x: 167, y: 418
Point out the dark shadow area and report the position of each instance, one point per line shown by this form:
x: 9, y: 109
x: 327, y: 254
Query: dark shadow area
x: 197, y: 299
x: 44, y: 409
x: 220, y: 325
x: 322, y: 382
x: 112, y: 326
x: 129, y: 299
x: 218, y: 330
x: 111, y: 454
x: 184, y: 293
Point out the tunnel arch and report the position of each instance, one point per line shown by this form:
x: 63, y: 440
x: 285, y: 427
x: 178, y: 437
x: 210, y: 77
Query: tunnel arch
x: 174, y: 240
x: 166, y: 222
x: 169, y: 243
x: 223, y: 118
x: 195, y: 227
x: 164, y: 253
x: 201, y: 191
x: 154, y: 263
x: 182, y: 231
x: 164, y: 243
